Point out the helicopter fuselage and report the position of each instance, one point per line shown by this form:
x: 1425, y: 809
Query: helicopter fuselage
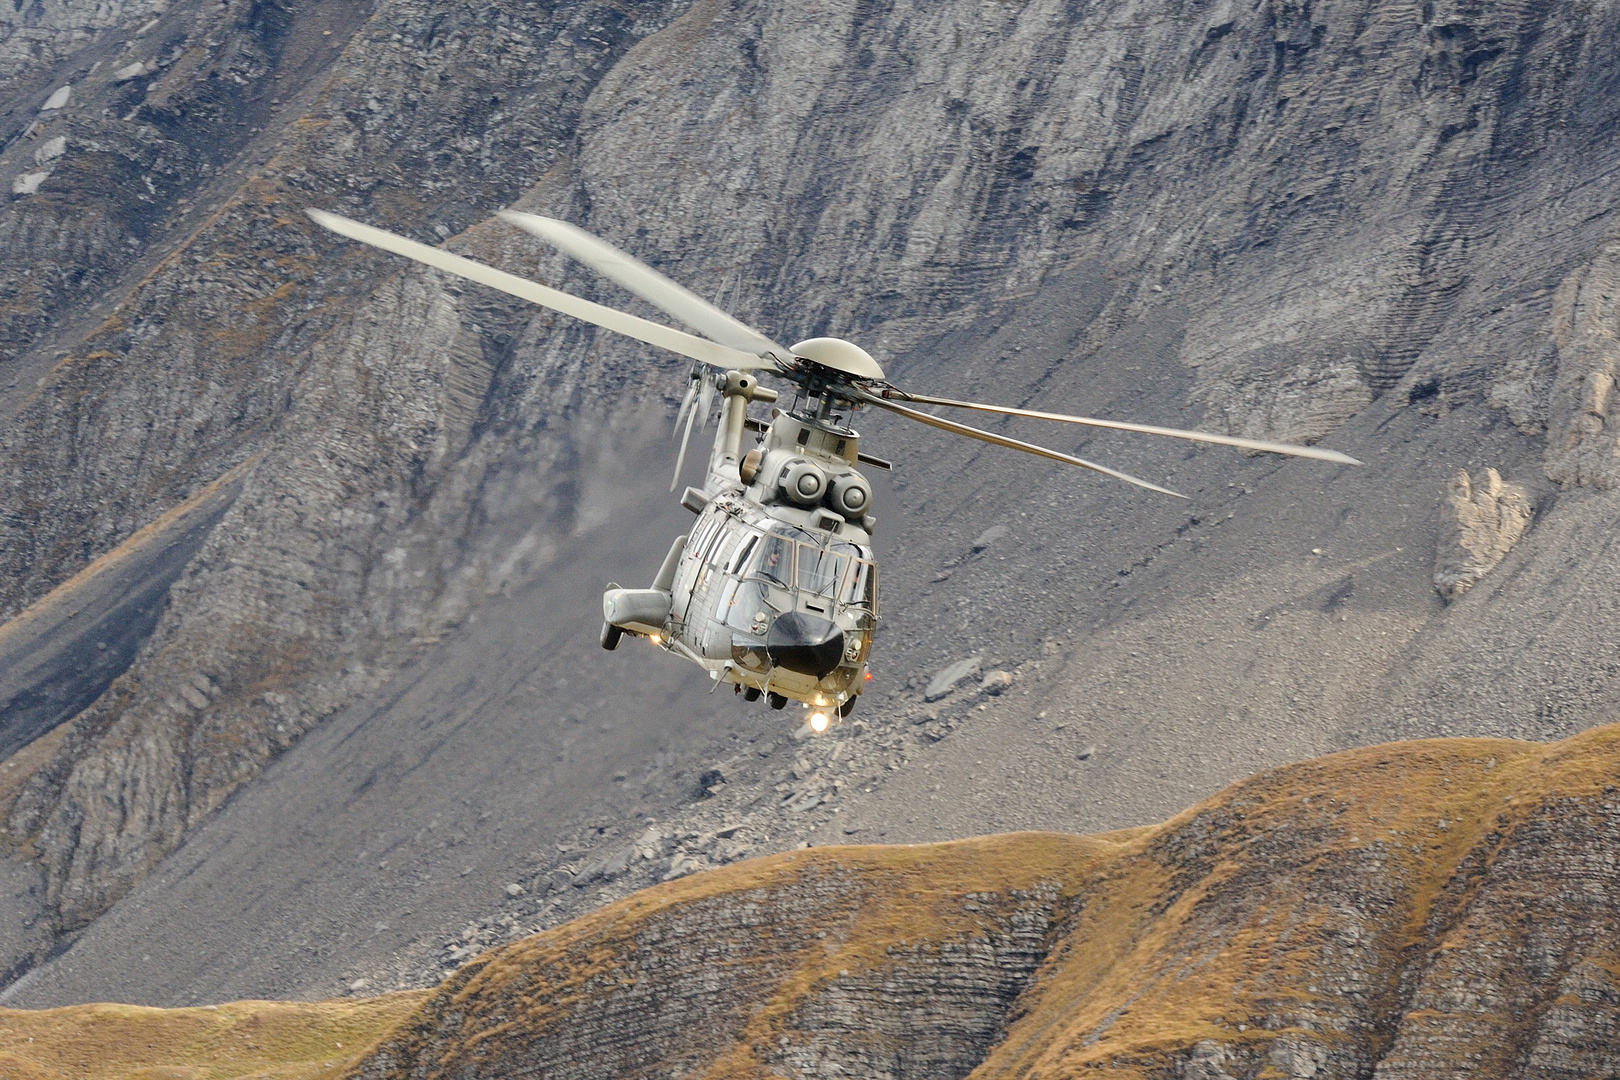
x: 775, y: 588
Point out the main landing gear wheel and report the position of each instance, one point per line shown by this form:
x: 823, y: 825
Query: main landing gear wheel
x: 775, y: 700
x: 751, y: 693
x: 611, y: 636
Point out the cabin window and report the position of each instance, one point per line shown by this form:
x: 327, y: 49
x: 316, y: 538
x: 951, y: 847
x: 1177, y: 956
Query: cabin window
x: 705, y: 551
x: 700, y: 538
x: 723, y: 547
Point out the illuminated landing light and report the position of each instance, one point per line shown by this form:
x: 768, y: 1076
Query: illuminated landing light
x: 654, y: 638
x: 818, y: 721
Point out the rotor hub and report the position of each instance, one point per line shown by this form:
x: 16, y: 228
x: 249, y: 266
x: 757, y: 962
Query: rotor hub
x: 839, y: 355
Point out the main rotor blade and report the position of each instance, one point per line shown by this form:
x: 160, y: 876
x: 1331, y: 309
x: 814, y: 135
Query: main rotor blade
x: 680, y: 460
x: 686, y: 403
x: 705, y: 403
x: 645, y: 282
x: 1013, y: 444
x: 652, y: 333
x: 1174, y: 433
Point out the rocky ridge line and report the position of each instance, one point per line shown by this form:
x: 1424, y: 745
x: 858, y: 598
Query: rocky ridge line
x: 1418, y: 909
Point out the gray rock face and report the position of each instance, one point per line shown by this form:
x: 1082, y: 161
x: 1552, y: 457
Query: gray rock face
x: 1478, y: 527
x: 1582, y: 445
x: 1275, y: 213
x: 37, y: 36
x: 947, y: 678
x: 341, y: 574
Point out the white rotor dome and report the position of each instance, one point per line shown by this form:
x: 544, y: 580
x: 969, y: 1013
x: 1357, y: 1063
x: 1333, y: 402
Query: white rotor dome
x: 840, y: 355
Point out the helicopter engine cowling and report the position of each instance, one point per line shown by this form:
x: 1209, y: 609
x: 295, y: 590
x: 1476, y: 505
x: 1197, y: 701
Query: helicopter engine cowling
x: 850, y: 495
x: 803, y: 483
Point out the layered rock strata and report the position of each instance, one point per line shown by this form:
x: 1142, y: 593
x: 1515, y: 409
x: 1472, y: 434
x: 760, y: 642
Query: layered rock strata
x: 1414, y: 909
x: 1418, y: 909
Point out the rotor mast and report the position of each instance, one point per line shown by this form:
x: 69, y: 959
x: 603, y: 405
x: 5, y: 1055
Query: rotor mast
x: 737, y: 389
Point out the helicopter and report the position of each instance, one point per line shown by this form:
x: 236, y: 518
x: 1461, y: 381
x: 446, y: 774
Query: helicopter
x: 775, y: 589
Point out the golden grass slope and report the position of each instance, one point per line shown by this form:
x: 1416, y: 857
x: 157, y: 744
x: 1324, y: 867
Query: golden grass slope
x: 243, y: 1040
x: 1442, y: 908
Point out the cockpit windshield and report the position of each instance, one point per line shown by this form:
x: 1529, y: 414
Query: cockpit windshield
x: 820, y: 570
x: 775, y: 561
x: 793, y: 558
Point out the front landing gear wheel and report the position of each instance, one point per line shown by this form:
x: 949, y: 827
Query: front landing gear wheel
x: 847, y: 707
x: 611, y: 636
x: 751, y: 694
x: 775, y: 700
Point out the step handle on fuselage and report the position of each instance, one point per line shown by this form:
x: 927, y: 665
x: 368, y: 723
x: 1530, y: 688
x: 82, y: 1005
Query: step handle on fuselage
x: 666, y: 573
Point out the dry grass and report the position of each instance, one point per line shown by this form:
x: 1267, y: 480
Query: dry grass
x: 241, y: 1040
x: 900, y: 895
x: 1148, y: 971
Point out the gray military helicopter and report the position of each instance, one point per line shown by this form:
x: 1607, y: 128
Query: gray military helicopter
x: 775, y: 590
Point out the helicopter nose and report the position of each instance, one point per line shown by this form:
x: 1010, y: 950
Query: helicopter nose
x: 805, y: 644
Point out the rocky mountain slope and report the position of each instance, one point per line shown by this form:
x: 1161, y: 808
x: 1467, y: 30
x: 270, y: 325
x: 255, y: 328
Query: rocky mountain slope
x: 1387, y: 224
x: 1421, y: 909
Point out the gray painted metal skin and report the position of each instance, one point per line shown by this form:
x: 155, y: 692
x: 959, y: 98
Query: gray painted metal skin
x: 775, y: 588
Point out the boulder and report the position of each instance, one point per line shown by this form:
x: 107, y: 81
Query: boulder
x: 994, y: 682
x: 50, y: 150
x: 28, y: 183
x: 945, y: 680
x: 1478, y: 526
x: 988, y: 537
x: 606, y: 866
x: 711, y: 782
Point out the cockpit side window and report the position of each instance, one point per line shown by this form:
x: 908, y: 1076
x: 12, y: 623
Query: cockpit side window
x: 860, y: 590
